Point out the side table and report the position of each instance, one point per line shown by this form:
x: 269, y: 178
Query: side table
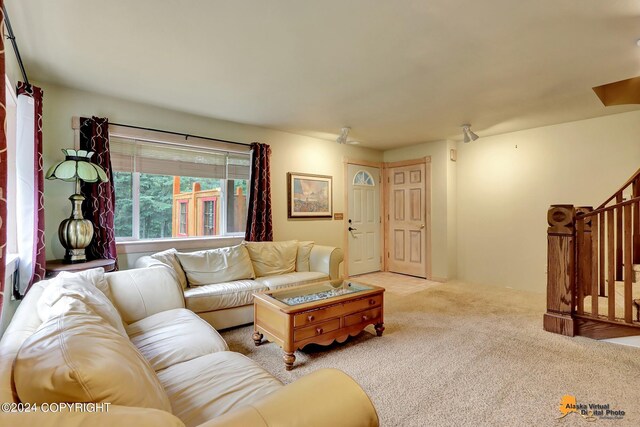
x: 55, y: 266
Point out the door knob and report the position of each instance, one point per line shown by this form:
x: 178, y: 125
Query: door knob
x: 352, y: 229
x: 421, y: 227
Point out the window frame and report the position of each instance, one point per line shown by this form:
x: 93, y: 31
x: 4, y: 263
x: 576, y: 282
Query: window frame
x: 135, y: 244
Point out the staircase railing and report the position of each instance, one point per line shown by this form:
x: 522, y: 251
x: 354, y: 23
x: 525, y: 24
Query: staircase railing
x: 590, y: 266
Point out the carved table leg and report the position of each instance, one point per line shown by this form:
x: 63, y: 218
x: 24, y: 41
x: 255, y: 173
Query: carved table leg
x: 257, y: 338
x: 379, y: 329
x: 289, y: 359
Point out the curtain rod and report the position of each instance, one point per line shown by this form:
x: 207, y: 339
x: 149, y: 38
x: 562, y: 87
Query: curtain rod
x: 186, y: 135
x: 12, y: 37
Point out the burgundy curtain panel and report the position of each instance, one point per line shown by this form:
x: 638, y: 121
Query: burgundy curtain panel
x: 3, y: 175
x: 38, y: 263
x: 99, y: 206
x: 259, y: 224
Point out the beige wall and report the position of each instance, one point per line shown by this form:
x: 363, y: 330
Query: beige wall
x: 506, y: 183
x: 442, y: 219
x: 290, y: 153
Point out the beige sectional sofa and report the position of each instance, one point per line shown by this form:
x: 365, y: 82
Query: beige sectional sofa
x: 219, y: 284
x: 125, y: 339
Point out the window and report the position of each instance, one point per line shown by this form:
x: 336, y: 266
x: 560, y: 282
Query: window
x: 208, y: 218
x: 11, y: 104
x: 166, y: 190
x: 363, y: 178
x: 182, y: 220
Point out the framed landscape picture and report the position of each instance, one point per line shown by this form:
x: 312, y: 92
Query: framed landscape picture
x: 309, y: 196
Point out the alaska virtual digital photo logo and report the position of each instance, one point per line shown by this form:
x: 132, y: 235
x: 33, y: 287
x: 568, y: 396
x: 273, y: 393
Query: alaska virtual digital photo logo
x: 588, y: 411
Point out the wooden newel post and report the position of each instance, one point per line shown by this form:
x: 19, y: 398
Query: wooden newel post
x: 561, y: 272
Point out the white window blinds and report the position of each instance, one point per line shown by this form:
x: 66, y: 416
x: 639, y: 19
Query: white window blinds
x: 130, y: 155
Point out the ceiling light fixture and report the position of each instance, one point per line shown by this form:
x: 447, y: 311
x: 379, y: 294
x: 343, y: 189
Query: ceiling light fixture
x: 468, y: 133
x: 344, y: 133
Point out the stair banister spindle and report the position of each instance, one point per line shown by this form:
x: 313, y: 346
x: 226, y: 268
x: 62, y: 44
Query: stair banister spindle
x: 619, y: 238
x: 628, y: 264
x: 636, y: 223
x: 583, y: 256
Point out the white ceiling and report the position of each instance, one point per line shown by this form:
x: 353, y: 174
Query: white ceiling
x: 398, y: 72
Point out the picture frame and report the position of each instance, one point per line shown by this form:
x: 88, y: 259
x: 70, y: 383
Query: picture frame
x: 309, y: 196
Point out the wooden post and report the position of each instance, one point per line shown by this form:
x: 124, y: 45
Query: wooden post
x: 561, y: 275
x: 583, y: 260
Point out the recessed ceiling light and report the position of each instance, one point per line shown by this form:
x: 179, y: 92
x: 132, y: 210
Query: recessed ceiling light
x: 638, y: 42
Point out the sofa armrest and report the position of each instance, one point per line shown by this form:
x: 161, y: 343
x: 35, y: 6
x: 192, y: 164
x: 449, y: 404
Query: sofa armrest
x: 327, y: 397
x: 326, y: 259
x: 113, y: 416
x: 141, y: 292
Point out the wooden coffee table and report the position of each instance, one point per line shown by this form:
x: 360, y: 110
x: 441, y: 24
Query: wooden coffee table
x: 320, y: 313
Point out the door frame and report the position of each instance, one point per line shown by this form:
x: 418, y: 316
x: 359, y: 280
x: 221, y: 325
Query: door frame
x: 386, y: 208
x: 345, y: 237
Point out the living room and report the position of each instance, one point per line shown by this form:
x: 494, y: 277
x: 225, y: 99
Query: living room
x: 523, y: 81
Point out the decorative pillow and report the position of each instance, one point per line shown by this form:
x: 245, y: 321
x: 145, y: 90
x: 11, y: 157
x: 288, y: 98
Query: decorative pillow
x: 78, y: 357
x: 302, y: 259
x: 95, y: 276
x: 216, y: 265
x: 62, y: 297
x: 273, y: 258
x: 169, y: 258
x: 75, y: 293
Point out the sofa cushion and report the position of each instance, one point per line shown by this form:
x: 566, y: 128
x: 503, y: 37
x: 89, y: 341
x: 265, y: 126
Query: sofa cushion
x: 76, y: 293
x: 216, y: 265
x: 222, y: 295
x: 209, y: 386
x: 81, y: 358
x: 169, y: 258
x: 174, y: 336
x: 272, y: 258
x: 292, y: 279
x: 302, y: 259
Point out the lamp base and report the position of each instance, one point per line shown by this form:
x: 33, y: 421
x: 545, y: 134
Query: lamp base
x: 75, y: 232
x: 74, y: 256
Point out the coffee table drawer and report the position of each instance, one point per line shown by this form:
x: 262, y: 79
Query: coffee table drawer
x: 364, y: 316
x: 362, y: 304
x: 315, y: 330
x: 316, y: 316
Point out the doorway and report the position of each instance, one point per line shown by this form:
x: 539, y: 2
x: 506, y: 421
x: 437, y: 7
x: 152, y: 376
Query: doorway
x: 408, y: 228
x: 363, y: 222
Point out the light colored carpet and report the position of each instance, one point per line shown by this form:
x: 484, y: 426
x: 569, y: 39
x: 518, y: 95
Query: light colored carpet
x: 462, y: 355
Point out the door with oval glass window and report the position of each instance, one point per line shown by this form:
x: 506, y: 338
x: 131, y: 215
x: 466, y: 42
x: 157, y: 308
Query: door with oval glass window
x: 363, y: 222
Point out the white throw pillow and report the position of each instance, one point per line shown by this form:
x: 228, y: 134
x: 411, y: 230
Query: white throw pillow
x: 74, y: 293
x: 273, y: 258
x: 79, y: 357
x: 216, y: 265
x: 95, y: 276
x: 302, y: 259
x: 169, y: 258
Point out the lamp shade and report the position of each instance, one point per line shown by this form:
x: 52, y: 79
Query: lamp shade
x: 77, y: 165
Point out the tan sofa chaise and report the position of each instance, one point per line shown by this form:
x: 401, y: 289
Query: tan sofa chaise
x: 125, y: 338
x: 219, y: 284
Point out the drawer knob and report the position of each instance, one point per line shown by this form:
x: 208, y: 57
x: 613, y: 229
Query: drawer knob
x: 310, y: 318
x: 319, y: 331
x: 365, y: 318
x: 372, y: 302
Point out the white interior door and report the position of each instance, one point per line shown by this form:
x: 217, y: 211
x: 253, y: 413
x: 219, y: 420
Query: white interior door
x: 407, y: 220
x: 364, y: 221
